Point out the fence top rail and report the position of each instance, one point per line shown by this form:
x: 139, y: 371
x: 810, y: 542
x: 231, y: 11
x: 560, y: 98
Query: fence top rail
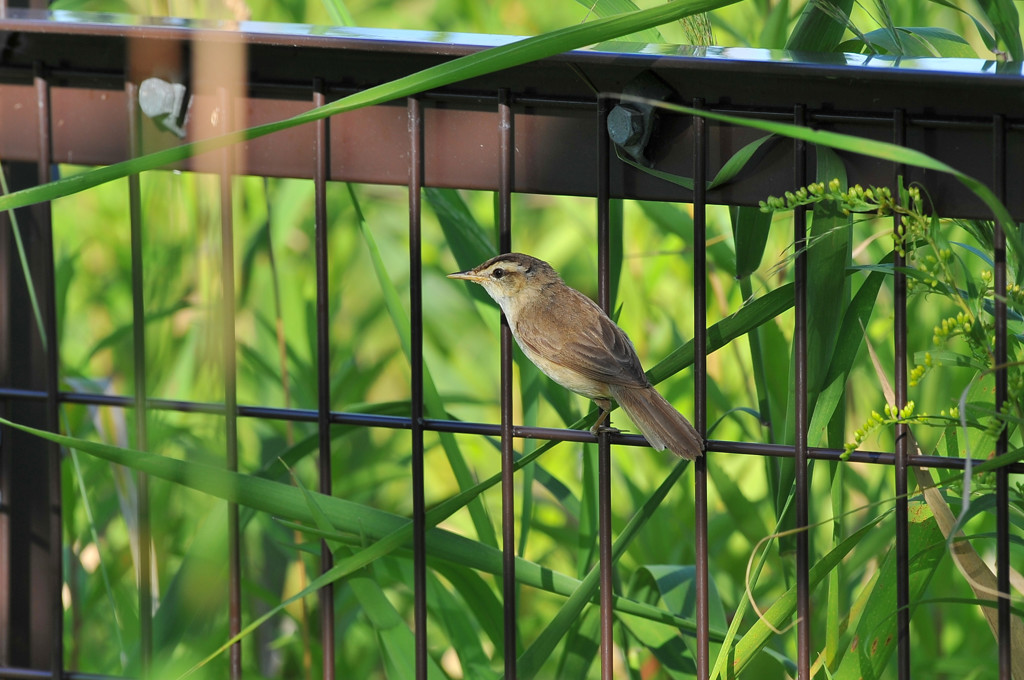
x: 738, y: 62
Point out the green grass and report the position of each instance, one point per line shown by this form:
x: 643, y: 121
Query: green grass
x: 652, y: 500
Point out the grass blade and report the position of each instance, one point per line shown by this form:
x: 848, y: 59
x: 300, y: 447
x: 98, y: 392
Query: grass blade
x: 849, y: 340
x: 877, y: 625
x: 538, y: 652
x: 465, y: 237
x: 750, y: 228
x: 749, y: 317
x: 817, y: 30
x: 830, y: 245
x: 434, y: 406
x: 608, y: 8
x: 29, y: 285
x: 390, y: 531
x: 780, y: 611
x: 1006, y: 22
x: 885, y: 151
x: 463, y: 68
x: 737, y: 162
x: 987, y: 38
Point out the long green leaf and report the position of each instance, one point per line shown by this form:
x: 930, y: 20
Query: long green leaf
x: 737, y: 162
x: 750, y: 316
x: 25, y: 270
x: 463, y: 68
x: 608, y: 8
x: 725, y: 174
x: 817, y: 30
x: 850, y: 339
x: 868, y: 147
x: 780, y: 611
x: 465, y: 237
x: 669, y: 218
x: 986, y: 37
x: 750, y: 228
x: 538, y: 652
x: 433, y: 404
x: 724, y: 660
x: 676, y: 586
x: 877, y: 626
x: 389, y: 530
x: 578, y: 650
x: 828, y: 253
x: 395, y: 637
x: 1006, y: 22
x: 470, y: 606
x: 759, y: 360
x: 340, y: 14
x: 776, y: 26
x: 921, y: 42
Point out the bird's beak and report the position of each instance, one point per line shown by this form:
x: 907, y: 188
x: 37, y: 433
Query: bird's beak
x: 467, y: 276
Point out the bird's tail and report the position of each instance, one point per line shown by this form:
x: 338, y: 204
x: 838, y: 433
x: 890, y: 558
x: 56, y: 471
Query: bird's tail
x: 663, y: 426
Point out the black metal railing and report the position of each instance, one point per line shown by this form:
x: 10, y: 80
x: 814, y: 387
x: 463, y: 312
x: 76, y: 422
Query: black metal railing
x: 537, y: 128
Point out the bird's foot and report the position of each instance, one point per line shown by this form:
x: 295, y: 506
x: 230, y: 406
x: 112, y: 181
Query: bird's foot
x: 599, y: 426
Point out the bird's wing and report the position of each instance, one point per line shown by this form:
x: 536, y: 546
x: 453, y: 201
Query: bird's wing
x: 583, y: 339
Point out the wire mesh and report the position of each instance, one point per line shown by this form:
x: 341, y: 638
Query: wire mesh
x: 505, y: 112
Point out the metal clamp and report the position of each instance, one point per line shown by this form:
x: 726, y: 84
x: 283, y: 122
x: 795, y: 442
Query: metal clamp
x: 165, y: 103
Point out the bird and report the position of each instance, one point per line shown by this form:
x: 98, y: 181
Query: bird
x: 571, y: 340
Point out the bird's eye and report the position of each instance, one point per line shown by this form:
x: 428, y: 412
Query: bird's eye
x: 498, y: 273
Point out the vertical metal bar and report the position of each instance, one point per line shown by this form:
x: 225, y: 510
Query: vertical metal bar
x: 230, y: 386
x: 803, y: 606
x: 10, y: 638
x: 415, y: 108
x: 700, y: 468
x: 8, y: 524
x: 139, y: 348
x: 26, y: 462
x: 321, y: 171
x: 1002, y: 476
x: 49, y: 305
x: 604, y: 454
x: 506, y: 146
x: 902, y: 432
x: 603, y: 207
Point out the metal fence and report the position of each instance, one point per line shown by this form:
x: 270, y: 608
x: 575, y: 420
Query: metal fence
x: 69, y: 92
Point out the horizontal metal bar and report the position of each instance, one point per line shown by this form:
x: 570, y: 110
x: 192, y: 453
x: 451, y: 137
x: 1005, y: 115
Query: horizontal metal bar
x: 489, y: 429
x: 24, y: 674
x: 12, y: 673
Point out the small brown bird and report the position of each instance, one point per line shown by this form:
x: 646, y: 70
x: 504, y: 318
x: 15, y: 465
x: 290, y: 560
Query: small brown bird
x: 574, y: 342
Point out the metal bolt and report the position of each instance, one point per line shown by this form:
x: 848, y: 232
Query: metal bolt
x: 625, y: 125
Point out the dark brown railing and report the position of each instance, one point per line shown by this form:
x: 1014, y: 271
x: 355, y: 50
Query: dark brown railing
x: 69, y: 93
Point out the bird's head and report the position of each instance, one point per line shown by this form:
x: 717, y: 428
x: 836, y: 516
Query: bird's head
x: 510, y: 277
